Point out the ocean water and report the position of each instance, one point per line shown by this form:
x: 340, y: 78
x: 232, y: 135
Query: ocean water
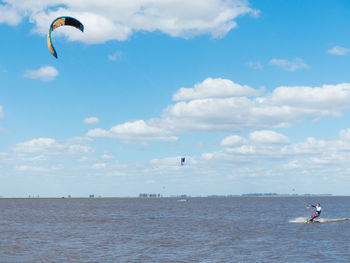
x: 237, y: 229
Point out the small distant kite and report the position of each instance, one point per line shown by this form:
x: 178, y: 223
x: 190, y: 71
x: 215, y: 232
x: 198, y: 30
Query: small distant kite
x: 182, y: 160
x: 62, y: 21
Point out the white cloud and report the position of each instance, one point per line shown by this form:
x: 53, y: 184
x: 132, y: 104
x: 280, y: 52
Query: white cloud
x: 306, y: 155
x: 337, y: 50
x: 118, y: 20
x: 91, y: 120
x: 50, y: 146
x: 46, y: 73
x: 287, y: 65
x: 267, y: 136
x: 281, y: 108
x: 292, y: 165
x: 137, y: 130
x: 214, y: 88
x: 328, y: 99
x: 78, y: 149
x: 233, y: 140
x: 345, y: 134
x: 1, y: 112
x: 240, y: 157
x: 9, y: 15
x: 115, y: 56
x: 37, y: 145
x: 258, y: 143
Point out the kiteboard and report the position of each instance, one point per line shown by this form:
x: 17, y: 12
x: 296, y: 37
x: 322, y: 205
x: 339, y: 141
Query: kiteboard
x: 311, y: 222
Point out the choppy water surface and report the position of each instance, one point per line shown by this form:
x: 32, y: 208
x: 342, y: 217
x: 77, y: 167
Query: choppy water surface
x: 242, y: 229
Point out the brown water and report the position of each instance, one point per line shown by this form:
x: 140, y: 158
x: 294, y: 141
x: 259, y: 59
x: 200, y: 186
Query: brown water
x: 242, y: 229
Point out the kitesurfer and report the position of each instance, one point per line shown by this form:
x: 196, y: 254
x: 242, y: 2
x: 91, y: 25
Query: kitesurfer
x: 317, y: 213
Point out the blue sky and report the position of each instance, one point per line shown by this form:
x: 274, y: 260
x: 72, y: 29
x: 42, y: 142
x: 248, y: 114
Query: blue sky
x: 253, y: 93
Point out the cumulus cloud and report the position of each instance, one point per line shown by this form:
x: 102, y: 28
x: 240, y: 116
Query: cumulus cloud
x: 267, y: 136
x: 9, y: 15
x: 77, y: 149
x: 207, y: 111
x: 287, y: 65
x: 37, y: 145
x: 50, y: 146
x: 295, y: 164
x: 268, y: 154
x: 257, y: 143
x: 281, y: 108
x: 118, y: 20
x: 91, y: 120
x: 214, y: 88
x: 137, y: 130
x: 345, y: 134
x: 233, y: 140
x: 339, y: 51
x: 46, y: 73
x: 276, y: 149
x: 328, y: 99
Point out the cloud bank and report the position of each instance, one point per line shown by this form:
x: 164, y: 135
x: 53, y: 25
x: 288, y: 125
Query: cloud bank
x: 51, y: 146
x: 275, y: 147
x: 220, y: 105
x: 118, y: 20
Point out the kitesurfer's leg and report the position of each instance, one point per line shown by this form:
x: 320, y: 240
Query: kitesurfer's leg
x: 313, y: 217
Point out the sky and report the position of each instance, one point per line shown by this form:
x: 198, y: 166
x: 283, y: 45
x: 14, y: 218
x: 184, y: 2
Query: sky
x: 254, y: 94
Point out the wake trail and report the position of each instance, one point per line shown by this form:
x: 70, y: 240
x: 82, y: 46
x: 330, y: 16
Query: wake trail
x: 299, y: 220
x: 320, y: 220
x: 330, y: 220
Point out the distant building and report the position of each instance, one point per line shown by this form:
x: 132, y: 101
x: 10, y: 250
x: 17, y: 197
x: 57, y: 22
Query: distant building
x: 144, y: 195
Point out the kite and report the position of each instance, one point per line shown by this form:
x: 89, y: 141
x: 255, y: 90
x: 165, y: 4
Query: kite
x: 62, y: 21
x: 182, y: 160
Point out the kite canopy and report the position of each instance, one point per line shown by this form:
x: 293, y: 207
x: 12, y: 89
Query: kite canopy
x: 182, y: 160
x: 62, y: 21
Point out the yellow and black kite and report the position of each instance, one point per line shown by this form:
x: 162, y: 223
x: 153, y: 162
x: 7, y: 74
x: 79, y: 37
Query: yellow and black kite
x: 62, y: 21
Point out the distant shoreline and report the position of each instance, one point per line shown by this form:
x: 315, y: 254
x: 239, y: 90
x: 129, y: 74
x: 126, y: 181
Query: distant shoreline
x: 181, y: 197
